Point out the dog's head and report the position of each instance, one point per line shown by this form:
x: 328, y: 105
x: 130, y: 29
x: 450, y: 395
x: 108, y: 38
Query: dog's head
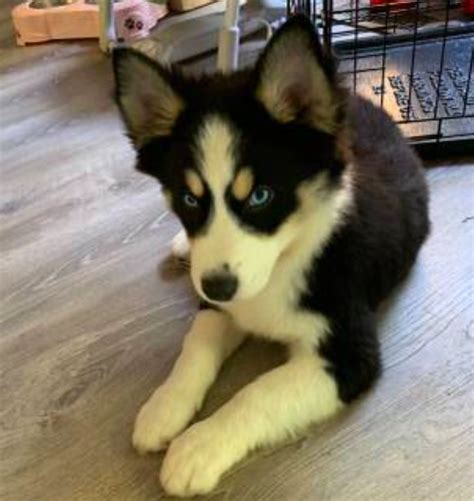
x: 245, y: 160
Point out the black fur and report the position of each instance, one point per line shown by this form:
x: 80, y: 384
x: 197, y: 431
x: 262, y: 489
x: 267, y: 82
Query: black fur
x: 376, y: 245
x: 373, y: 251
x: 262, y: 144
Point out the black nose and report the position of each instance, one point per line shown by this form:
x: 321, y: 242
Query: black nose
x: 219, y: 286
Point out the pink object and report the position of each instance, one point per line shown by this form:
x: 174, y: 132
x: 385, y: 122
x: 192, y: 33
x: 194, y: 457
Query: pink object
x: 43, y: 20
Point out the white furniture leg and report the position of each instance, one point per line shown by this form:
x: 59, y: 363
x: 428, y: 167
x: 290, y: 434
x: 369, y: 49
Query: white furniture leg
x: 228, y: 49
x: 107, y: 25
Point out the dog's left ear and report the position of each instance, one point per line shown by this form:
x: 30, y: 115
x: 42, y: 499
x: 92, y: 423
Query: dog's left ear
x: 296, y: 78
x: 147, y: 95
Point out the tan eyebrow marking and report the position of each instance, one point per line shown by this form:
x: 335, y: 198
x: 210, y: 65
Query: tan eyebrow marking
x: 242, y: 184
x: 194, y: 182
x: 168, y: 197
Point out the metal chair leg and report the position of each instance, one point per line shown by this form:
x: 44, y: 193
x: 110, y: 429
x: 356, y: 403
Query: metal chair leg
x: 229, y: 36
x: 107, y: 25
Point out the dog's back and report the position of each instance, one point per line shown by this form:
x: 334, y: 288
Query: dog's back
x: 390, y: 180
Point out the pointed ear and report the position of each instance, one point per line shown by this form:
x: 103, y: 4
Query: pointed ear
x: 296, y: 78
x: 145, y: 95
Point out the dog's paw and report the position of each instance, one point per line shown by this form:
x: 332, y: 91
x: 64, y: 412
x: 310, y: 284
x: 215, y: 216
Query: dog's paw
x: 180, y: 246
x: 196, y: 460
x: 161, y: 419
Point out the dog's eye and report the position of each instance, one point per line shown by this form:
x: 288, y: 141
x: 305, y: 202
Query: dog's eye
x: 190, y: 201
x: 260, y: 197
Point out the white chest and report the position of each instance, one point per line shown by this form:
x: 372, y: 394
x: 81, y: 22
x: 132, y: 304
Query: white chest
x: 274, y: 313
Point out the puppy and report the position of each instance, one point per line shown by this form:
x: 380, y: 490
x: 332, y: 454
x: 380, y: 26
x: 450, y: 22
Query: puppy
x: 304, y: 208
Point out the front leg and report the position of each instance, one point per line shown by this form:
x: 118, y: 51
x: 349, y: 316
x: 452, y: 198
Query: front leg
x: 277, y: 405
x: 212, y: 338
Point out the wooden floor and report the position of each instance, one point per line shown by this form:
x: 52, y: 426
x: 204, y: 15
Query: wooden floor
x: 93, y: 317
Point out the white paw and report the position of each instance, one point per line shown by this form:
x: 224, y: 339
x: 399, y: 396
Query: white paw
x: 161, y: 418
x: 180, y: 246
x: 196, y: 460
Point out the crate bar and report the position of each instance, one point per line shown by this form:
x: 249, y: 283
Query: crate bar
x: 441, y: 66
x: 451, y: 147
x: 356, y: 40
x: 365, y: 70
x: 468, y: 86
x: 403, y: 38
x: 413, y: 56
x: 384, y: 58
x: 386, y: 29
x: 431, y: 119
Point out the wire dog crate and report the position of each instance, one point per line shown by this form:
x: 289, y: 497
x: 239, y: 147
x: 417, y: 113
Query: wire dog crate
x: 415, y: 58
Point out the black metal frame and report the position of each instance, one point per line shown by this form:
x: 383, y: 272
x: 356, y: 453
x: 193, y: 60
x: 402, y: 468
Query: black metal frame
x: 415, y: 58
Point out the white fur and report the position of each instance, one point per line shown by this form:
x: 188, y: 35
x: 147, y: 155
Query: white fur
x: 180, y: 245
x: 224, y: 241
x: 275, y: 406
x: 271, y: 312
x: 210, y: 341
x: 271, y: 272
x: 252, y: 257
x: 215, y: 148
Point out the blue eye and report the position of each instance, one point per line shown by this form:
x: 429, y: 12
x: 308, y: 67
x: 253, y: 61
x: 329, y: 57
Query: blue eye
x: 260, y: 197
x: 190, y: 201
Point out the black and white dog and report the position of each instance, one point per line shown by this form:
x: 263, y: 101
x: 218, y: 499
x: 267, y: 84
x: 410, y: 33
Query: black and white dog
x: 304, y: 208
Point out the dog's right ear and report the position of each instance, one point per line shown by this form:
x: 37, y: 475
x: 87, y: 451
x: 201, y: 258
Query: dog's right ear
x: 146, y: 96
x: 296, y: 78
